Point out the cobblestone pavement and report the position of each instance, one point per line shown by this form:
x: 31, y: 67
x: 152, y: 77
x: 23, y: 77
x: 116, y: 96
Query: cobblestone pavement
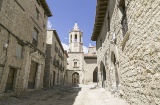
x: 66, y: 95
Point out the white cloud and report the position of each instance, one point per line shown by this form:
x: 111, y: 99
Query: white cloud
x: 85, y: 49
x: 66, y: 47
x: 49, y: 25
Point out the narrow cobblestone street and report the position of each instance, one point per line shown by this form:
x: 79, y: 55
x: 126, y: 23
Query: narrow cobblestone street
x: 68, y: 95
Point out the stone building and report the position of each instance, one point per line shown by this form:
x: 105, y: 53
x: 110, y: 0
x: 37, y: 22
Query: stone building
x: 128, y: 42
x: 23, y: 27
x: 56, y: 60
x: 90, y: 66
x: 80, y: 65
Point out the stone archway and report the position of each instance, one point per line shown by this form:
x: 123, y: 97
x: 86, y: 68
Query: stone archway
x: 75, y: 78
x: 95, y: 75
x: 103, y: 74
x: 113, y: 60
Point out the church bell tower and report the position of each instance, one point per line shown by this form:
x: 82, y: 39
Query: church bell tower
x: 75, y: 39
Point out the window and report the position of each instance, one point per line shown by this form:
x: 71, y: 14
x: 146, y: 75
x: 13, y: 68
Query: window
x: 43, y: 44
x: 44, y: 15
x: 19, y: 50
x: 37, y: 14
x: 108, y: 22
x: 75, y: 64
x: 100, y: 42
x: 1, y: 71
x: 44, y: 26
x: 75, y: 40
x: 124, y: 17
x: 35, y: 37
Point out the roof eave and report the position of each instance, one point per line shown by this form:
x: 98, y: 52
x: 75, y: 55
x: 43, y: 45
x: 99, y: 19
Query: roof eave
x: 101, y: 9
x: 46, y: 7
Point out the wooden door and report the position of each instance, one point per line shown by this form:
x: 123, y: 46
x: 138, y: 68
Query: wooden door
x: 32, y: 75
x: 10, y: 79
x: 54, y: 78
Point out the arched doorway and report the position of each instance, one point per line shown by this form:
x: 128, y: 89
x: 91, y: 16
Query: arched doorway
x: 95, y: 75
x: 103, y: 74
x: 75, y: 78
x: 113, y: 59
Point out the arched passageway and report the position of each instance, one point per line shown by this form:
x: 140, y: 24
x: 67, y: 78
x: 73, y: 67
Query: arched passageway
x: 113, y: 59
x: 103, y: 74
x: 75, y: 78
x: 95, y: 75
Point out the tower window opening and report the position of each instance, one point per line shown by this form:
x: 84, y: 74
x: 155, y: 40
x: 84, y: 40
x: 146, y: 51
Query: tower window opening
x: 75, y: 40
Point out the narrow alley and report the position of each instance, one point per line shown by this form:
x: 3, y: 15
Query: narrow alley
x: 79, y: 52
x: 66, y: 95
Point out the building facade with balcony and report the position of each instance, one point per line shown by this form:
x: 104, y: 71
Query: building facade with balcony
x: 23, y: 28
x: 55, y: 62
x: 128, y: 42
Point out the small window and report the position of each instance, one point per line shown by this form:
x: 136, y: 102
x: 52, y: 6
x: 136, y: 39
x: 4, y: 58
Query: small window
x: 75, y: 64
x: 43, y: 44
x: 108, y: 22
x: 44, y: 15
x: 100, y: 42
x: 19, y: 51
x: 37, y: 14
x: 44, y: 26
x: 35, y: 37
x: 1, y: 71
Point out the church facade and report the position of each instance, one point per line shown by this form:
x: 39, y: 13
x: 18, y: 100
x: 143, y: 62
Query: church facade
x: 78, y: 71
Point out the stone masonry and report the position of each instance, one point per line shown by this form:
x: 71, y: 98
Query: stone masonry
x: 22, y: 44
x: 128, y: 48
x: 56, y: 61
x: 81, y: 66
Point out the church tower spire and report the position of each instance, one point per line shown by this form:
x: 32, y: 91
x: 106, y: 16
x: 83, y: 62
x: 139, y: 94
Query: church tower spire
x: 75, y: 39
x: 76, y: 28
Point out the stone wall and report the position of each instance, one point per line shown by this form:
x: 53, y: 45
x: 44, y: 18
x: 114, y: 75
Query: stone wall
x: 55, y: 53
x: 140, y: 58
x: 17, y: 24
x: 75, y: 57
x: 136, y: 53
x: 89, y: 66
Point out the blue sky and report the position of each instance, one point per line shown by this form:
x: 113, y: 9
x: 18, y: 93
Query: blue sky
x: 67, y: 12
